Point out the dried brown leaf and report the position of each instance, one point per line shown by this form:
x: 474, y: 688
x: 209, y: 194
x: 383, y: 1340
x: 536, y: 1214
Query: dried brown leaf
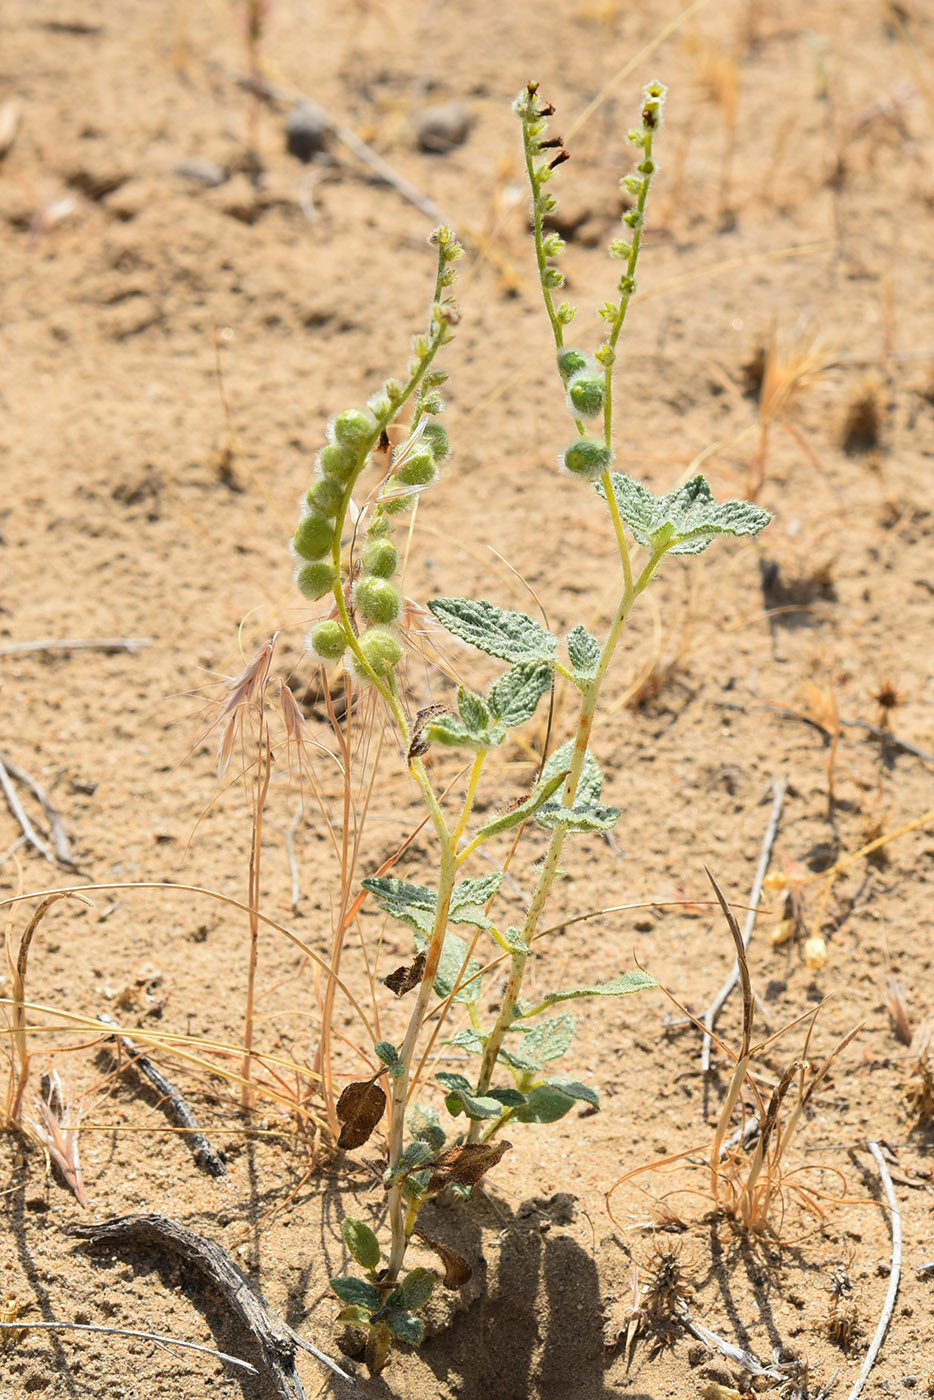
x: 359, y: 1109
x: 405, y: 978
x: 465, y: 1165
x: 457, y: 1271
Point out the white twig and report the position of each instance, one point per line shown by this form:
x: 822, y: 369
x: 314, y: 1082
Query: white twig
x: 894, y: 1274
x: 56, y: 826
x: 108, y: 644
x: 127, y: 1332
x: 779, y: 787
x: 29, y: 831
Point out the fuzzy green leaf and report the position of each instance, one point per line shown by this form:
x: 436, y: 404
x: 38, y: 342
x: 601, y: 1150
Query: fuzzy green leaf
x: 390, y: 1058
x: 584, y: 653
x: 548, y: 1102
x: 414, y: 1290
x: 590, y: 783
x: 413, y: 1156
x: 361, y: 1241
x: 357, y: 1316
x: 514, y: 697
x: 357, y: 1292
x: 473, y: 892
x: 523, y: 810
x: 451, y: 969
x: 404, y: 1326
x: 468, y: 1039
x: 401, y: 891
x: 618, y: 987
x: 577, y: 818
x: 425, y: 1126
x: 473, y: 711
x: 544, y: 1042
x: 686, y: 520
x: 512, y: 636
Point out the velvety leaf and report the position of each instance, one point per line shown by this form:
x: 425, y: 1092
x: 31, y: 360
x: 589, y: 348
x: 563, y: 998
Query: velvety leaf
x: 590, y: 783
x: 451, y: 970
x: 618, y: 987
x: 356, y: 1316
x: 576, y: 1090
x: 357, y: 1292
x: 514, y: 697
x: 546, y: 1041
x: 404, y: 1326
x: 414, y: 1290
x: 361, y: 1241
x: 578, y: 818
x: 390, y: 1058
x: 686, y: 520
x: 512, y: 636
x: 522, y: 810
x: 468, y: 1039
x: 414, y: 1155
x: 407, y: 977
x: 425, y: 1126
x: 583, y: 653
x: 401, y: 891
x: 478, y: 891
x: 467, y: 1164
x: 457, y: 1271
x: 546, y: 1103
x: 473, y: 710
x: 461, y: 1098
x: 454, y: 734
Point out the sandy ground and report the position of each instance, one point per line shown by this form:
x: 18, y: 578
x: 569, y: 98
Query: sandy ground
x: 175, y: 337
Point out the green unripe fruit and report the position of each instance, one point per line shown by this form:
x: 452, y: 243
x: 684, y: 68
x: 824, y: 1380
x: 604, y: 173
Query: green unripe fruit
x: 571, y: 362
x: 418, y: 470
x: 380, y: 559
x: 336, y: 461
x: 399, y: 504
x: 353, y: 427
x: 585, y: 395
x: 436, y: 437
x: 313, y: 537
x: 376, y: 600
x: 325, y: 495
x: 314, y: 580
x: 383, y: 651
x: 587, y: 458
x: 328, y: 641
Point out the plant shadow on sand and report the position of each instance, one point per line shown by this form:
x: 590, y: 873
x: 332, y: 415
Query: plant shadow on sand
x: 536, y: 1326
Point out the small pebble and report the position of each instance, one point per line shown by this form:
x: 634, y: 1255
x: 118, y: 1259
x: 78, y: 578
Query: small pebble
x: 201, y: 172
x: 441, y: 127
x: 305, y: 132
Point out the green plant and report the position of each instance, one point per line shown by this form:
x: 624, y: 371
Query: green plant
x: 364, y: 625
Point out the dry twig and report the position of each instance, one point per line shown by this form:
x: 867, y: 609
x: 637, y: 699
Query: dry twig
x: 130, y: 1332
x: 276, y: 1340
x: 894, y: 1274
x: 204, y: 1154
x: 779, y: 787
x: 56, y: 826
x: 105, y: 644
x: 19, y: 812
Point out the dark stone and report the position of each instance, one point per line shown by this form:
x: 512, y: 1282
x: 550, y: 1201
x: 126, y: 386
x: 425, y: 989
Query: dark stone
x: 306, y: 134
